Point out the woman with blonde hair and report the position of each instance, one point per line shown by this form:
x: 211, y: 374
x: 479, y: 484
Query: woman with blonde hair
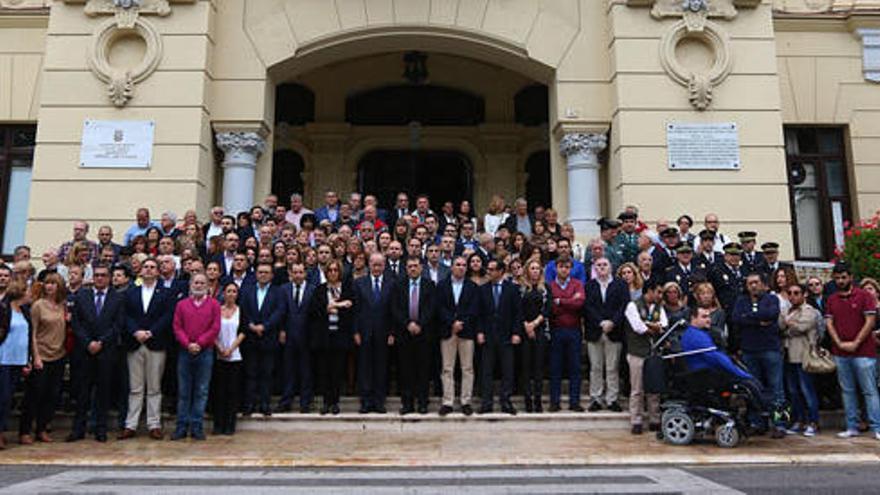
x: 78, y: 256
x: 705, y: 297
x: 49, y: 323
x: 536, y: 307
x: 496, y: 215
x: 674, y: 303
x: 629, y: 273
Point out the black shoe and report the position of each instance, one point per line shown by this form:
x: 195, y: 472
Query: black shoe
x: 538, y: 407
x: 509, y: 409
x: 334, y: 409
x: 199, y: 435
x: 248, y: 410
x: 101, y: 437
x: 74, y: 437
x: 636, y: 430
x: 379, y: 410
x: 554, y: 408
x: 364, y: 409
x: 305, y: 409
x: 467, y: 410
x: 423, y: 409
x: 178, y: 435
x: 615, y: 407
x: 325, y: 409
x: 529, y: 407
x: 654, y: 427
x: 485, y: 410
x: 283, y: 408
x: 594, y: 406
x: 445, y: 410
x: 265, y: 411
x: 576, y: 408
x: 406, y: 410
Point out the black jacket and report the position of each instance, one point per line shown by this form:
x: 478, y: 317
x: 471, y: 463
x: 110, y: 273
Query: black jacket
x: 500, y: 323
x: 595, y: 311
x: 427, y: 311
x: 90, y: 326
x: 320, y: 336
x: 449, y: 312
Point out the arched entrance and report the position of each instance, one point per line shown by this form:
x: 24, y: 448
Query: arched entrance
x: 441, y: 175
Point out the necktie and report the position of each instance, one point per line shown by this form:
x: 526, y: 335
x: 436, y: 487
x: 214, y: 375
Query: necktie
x: 377, y: 291
x: 497, y: 295
x: 394, y: 266
x: 296, y: 295
x: 414, y: 301
x: 99, y: 302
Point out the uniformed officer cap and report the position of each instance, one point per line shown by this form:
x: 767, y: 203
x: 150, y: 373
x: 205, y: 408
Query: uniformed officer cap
x: 733, y: 248
x: 669, y: 232
x: 707, y: 235
x: 770, y: 247
x: 684, y: 248
x: 627, y: 215
x: 608, y: 223
x: 747, y: 236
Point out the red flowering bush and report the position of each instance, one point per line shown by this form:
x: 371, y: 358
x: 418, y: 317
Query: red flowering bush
x: 861, y: 249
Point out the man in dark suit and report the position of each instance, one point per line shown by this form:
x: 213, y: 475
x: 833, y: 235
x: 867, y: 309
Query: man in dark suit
x: 262, y: 310
x: 606, y: 300
x: 683, y: 272
x: 240, y: 274
x: 770, y: 262
x: 98, y: 320
x: 226, y: 259
x: 751, y: 258
x: 372, y: 333
x: 457, y: 319
x: 394, y: 264
x: 434, y: 270
x: 148, y: 310
x: 414, y: 318
x: 400, y: 210
x: 706, y: 258
x: 500, y: 329
x: 297, y: 296
x: 520, y: 220
x: 728, y: 279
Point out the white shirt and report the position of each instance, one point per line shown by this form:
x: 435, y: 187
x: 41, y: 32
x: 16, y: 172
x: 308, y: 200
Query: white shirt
x: 603, y: 286
x: 635, y: 320
x: 261, y: 295
x: 147, y: 295
x: 492, y: 222
x: 457, y: 286
x: 228, y: 334
x: 214, y: 230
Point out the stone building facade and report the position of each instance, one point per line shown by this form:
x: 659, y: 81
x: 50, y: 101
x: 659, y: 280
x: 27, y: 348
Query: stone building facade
x: 568, y: 102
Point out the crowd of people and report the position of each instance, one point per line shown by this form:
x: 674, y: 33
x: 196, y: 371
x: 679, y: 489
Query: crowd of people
x: 290, y: 302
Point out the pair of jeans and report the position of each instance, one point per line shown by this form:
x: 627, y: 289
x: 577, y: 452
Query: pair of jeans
x: 41, y: 396
x: 856, y: 373
x: 804, y: 401
x: 9, y: 377
x: 565, y: 350
x: 767, y: 367
x: 193, y: 382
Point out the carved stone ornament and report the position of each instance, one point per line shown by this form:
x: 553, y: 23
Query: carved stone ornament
x: 695, y: 25
x: 579, y: 143
x: 240, y: 147
x: 126, y: 12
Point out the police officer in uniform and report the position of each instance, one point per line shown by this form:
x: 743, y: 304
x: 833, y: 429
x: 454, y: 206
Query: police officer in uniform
x: 628, y: 239
x: 683, y: 272
x: 707, y: 257
x: 727, y: 277
x: 664, y: 253
x: 771, y: 263
x: 751, y: 258
x: 608, y: 228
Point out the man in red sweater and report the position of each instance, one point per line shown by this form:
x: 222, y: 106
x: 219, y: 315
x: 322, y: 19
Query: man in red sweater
x: 196, y: 325
x: 566, y: 335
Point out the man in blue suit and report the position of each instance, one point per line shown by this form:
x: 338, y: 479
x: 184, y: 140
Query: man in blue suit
x: 148, y: 309
x: 372, y: 333
x: 262, y: 309
x: 98, y: 320
x: 330, y: 210
x: 500, y: 329
x: 297, y: 296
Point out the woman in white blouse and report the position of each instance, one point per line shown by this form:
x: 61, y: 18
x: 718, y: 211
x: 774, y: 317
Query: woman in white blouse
x: 227, y: 369
x: 496, y: 215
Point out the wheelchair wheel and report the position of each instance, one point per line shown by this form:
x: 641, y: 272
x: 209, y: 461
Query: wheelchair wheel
x: 727, y: 436
x: 678, y: 427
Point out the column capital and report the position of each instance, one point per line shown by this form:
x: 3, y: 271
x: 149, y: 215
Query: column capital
x: 577, y: 143
x: 241, y: 142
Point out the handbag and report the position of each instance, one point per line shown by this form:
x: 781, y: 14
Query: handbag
x: 818, y: 360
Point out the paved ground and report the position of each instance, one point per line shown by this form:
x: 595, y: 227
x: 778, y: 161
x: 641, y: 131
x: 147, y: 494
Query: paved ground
x: 443, y: 448
x: 851, y: 479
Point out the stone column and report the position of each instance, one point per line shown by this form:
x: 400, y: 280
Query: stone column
x: 581, y: 152
x: 240, y: 153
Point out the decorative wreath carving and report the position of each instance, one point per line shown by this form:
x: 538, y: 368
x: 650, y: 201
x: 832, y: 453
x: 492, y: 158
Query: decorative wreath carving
x: 699, y: 84
x: 121, y: 81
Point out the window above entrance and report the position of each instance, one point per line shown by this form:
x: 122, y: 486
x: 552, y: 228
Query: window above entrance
x: 425, y: 104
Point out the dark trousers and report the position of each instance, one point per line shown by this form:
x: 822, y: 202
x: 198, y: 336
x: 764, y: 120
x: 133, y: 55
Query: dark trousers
x: 331, y: 372
x: 92, y: 372
x: 258, y: 365
x: 373, y: 371
x: 565, y: 348
x: 9, y: 376
x: 297, y: 372
x: 493, y: 352
x: 226, y: 388
x: 120, y: 384
x: 414, y: 356
x: 40, y: 396
x: 533, y: 367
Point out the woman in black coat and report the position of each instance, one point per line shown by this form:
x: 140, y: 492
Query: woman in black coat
x: 331, y: 334
x: 536, y: 301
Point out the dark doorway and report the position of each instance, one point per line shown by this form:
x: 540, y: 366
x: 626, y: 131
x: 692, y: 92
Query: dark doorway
x: 538, y: 190
x: 287, y: 169
x: 442, y: 175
